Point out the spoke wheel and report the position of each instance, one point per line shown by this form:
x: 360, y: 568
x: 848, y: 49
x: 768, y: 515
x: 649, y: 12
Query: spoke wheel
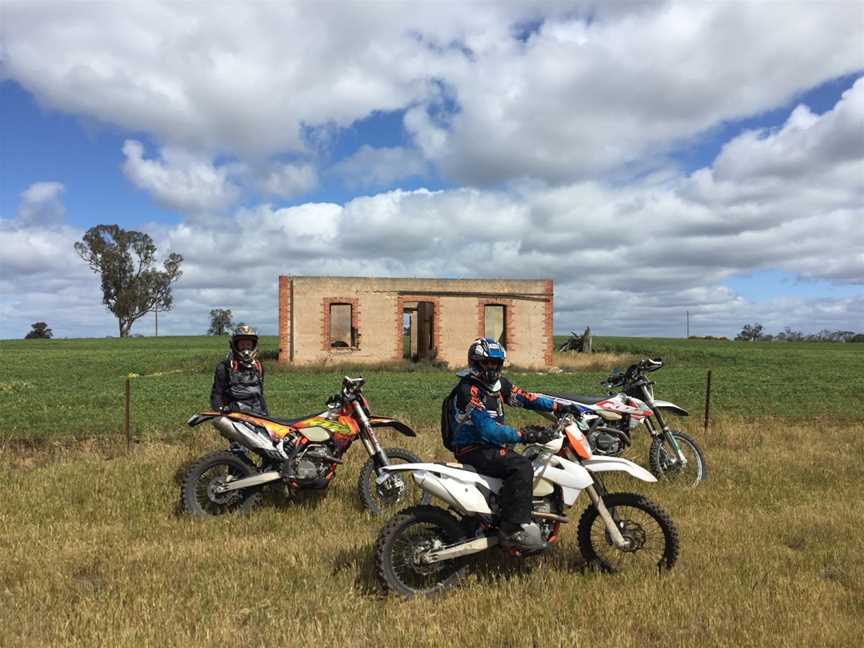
x: 651, y: 535
x: 200, y: 488
x: 403, y: 542
x: 397, y: 491
x: 663, y: 461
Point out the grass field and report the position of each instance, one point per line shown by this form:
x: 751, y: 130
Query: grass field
x: 93, y: 552
x: 74, y: 388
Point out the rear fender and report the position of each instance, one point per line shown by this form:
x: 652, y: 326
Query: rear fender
x: 198, y: 419
x: 672, y: 408
x: 618, y: 464
x: 460, y: 475
x: 459, y: 488
x: 386, y: 421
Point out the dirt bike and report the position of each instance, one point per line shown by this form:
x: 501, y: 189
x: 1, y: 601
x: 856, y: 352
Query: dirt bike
x: 673, y: 455
x: 424, y: 549
x: 297, y: 454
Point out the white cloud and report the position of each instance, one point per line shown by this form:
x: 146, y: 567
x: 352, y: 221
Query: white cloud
x: 289, y: 180
x: 180, y: 179
x: 369, y: 166
x: 592, y: 88
x: 41, y: 205
x: 578, y: 99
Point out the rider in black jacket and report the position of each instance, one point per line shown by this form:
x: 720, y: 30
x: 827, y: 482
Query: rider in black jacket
x: 238, y: 382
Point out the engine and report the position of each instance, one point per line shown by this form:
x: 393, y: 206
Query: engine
x: 607, y: 441
x: 310, y: 464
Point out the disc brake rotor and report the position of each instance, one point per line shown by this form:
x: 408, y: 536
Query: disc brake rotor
x: 633, y: 533
x: 391, y: 488
x: 421, y: 550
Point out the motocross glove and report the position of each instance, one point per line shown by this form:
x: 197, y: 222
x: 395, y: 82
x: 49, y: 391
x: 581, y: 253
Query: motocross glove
x: 567, y: 408
x: 537, y: 434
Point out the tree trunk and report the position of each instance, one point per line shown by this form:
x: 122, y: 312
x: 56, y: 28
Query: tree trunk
x: 125, y: 325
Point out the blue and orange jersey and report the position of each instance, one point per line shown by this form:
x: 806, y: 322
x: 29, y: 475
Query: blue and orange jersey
x: 479, y: 412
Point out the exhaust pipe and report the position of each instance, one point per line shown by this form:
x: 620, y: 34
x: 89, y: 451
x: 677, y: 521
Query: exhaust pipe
x: 242, y: 434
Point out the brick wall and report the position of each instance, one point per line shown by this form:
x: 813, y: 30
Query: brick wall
x: 377, y: 315
x: 547, y: 319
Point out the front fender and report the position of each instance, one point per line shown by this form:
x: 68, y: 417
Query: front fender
x: 666, y: 406
x: 618, y: 464
x: 385, y: 421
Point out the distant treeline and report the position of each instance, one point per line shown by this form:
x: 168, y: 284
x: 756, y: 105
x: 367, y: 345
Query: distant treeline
x: 753, y: 333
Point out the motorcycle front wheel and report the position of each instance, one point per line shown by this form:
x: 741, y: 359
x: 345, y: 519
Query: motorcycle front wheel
x: 651, y: 535
x: 663, y: 460
x: 198, y: 494
x: 398, y: 490
x: 401, y: 545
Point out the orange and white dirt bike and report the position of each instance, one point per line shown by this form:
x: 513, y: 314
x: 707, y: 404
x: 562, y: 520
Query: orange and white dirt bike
x: 298, y: 454
x: 425, y: 550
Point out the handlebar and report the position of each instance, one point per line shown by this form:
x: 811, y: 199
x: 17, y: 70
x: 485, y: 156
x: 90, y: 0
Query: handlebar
x: 351, y: 388
x: 632, y: 375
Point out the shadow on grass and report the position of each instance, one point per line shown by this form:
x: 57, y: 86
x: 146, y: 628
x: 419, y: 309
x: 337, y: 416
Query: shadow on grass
x: 361, y: 561
x: 273, y: 497
x: 490, y: 568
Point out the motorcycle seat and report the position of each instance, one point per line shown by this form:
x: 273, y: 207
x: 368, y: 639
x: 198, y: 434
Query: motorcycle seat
x: 453, y: 464
x: 280, y: 421
x: 585, y: 400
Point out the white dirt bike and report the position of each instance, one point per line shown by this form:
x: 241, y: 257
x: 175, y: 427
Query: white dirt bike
x: 424, y: 549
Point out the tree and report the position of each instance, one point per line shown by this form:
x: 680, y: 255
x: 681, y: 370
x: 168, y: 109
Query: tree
x: 789, y: 335
x: 750, y: 333
x: 131, y: 286
x: 220, y: 321
x: 40, y: 332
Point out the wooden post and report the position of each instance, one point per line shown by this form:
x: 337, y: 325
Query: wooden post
x: 707, y: 400
x: 126, y: 431
x: 586, y: 340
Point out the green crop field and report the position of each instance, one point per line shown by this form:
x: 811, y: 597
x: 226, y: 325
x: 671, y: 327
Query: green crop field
x: 93, y: 551
x: 74, y: 388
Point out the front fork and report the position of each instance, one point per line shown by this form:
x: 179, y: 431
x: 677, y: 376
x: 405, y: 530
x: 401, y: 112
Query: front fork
x: 618, y: 540
x: 664, y: 427
x: 370, y: 441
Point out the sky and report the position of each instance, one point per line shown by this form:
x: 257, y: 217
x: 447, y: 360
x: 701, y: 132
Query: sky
x: 652, y: 158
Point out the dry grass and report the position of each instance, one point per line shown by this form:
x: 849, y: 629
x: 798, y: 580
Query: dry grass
x: 94, y: 554
x: 592, y: 361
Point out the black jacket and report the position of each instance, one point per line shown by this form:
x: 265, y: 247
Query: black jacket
x: 238, y: 387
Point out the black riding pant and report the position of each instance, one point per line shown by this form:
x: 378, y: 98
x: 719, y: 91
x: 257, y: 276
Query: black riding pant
x: 518, y: 475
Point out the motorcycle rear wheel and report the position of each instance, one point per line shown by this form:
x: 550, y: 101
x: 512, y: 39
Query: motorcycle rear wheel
x: 653, y: 537
x: 197, y: 495
x: 663, y: 462
x: 401, y: 543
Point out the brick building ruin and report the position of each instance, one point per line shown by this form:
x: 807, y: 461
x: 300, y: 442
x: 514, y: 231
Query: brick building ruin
x: 373, y: 320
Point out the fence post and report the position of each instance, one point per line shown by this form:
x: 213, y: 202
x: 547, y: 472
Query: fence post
x: 707, y: 400
x: 126, y: 430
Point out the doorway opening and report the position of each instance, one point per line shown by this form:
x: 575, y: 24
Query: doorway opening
x: 418, y: 327
x: 495, y: 323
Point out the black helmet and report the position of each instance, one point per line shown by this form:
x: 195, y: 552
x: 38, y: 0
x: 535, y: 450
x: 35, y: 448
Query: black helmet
x: 244, y: 332
x: 485, y: 360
